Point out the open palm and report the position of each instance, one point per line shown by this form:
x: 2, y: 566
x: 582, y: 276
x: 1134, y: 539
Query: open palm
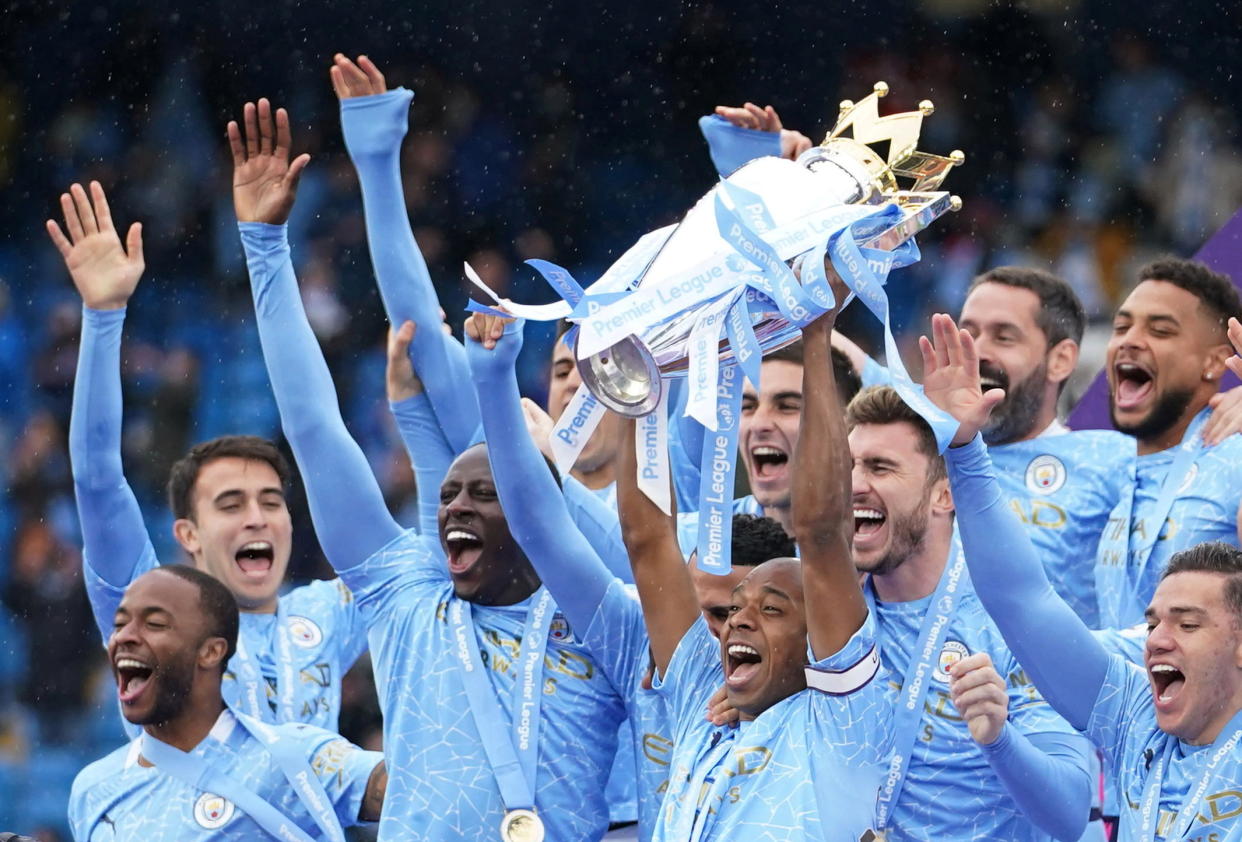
x: 951, y: 378
x: 103, y: 272
x: 265, y: 182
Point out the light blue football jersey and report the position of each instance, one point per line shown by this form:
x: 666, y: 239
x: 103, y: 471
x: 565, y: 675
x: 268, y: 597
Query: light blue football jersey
x: 324, y: 634
x: 644, y: 738
x: 441, y: 785
x: 1205, y: 509
x: 807, y: 768
x: 117, y: 800
x: 946, y: 766
x: 1063, y: 489
x: 1123, y: 725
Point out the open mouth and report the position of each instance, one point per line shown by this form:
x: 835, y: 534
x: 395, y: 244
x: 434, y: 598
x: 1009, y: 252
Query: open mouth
x: 132, y: 677
x: 1133, y: 384
x: 992, y: 377
x: 1168, y: 681
x: 868, y: 521
x: 743, y: 664
x: 768, y: 460
x: 464, y: 548
x: 255, y: 559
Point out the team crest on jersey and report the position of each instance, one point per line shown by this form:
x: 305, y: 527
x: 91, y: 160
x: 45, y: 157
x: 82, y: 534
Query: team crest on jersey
x: 304, y: 632
x: 1046, y: 474
x: 559, y: 628
x: 952, y: 652
x: 212, y: 811
x: 1189, y: 480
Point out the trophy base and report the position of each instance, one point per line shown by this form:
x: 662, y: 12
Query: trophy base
x: 623, y: 377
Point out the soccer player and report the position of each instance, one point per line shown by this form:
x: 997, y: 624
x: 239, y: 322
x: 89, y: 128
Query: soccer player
x: 806, y: 760
x: 928, y: 619
x: 573, y: 572
x: 201, y: 769
x: 228, y: 496
x: 451, y: 627
x: 1170, y: 730
x: 1165, y: 358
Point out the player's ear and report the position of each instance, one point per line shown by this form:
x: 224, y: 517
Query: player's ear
x: 941, y: 497
x: 212, y: 652
x: 186, y: 533
x: 1062, y: 360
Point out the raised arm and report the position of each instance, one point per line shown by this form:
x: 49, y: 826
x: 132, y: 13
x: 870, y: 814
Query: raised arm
x: 116, y: 546
x: 430, y: 453
x: 351, y: 518
x: 373, y: 120
x: 533, y: 505
x: 665, y: 588
x: 823, y: 514
x: 1037, y: 624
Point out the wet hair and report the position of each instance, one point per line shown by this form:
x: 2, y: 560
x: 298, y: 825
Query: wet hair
x: 882, y: 405
x: 184, y: 473
x: 1216, y: 293
x: 1061, y: 315
x: 758, y: 539
x: 848, y: 381
x: 1213, y: 557
x: 218, y: 604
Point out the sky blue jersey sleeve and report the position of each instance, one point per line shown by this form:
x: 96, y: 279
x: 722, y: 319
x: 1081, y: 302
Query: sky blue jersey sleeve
x: 535, y: 510
x: 599, y: 525
x: 346, y: 504
x: 732, y: 146
x: 116, y: 546
x: 1036, y: 622
x: 374, y: 127
x: 1047, y: 776
x: 430, y: 456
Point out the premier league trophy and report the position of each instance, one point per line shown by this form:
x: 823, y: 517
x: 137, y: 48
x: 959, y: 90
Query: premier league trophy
x: 738, y: 277
x: 844, y: 170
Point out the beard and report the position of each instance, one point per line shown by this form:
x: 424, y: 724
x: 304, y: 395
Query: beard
x: 1168, y: 410
x: 1012, y: 419
x: 175, y: 679
x: 907, y: 532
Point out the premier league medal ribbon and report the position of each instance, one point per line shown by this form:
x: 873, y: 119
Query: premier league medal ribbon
x: 747, y: 262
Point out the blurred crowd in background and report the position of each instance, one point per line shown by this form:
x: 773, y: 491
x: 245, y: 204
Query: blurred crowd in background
x: 1097, y: 135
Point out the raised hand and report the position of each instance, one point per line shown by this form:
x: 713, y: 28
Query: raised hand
x: 486, y: 329
x: 104, y: 273
x: 951, y: 378
x: 351, y: 80
x: 751, y: 116
x: 978, y: 693
x: 399, y: 378
x: 539, y: 424
x: 264, y: 181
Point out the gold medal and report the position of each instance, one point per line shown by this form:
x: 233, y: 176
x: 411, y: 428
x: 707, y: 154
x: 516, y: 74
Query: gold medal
x: 521, y: 826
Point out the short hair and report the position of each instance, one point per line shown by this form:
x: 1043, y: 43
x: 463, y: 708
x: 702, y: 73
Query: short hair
x: 1216, y: 292
x: 185, y: 471
x: 1061, y: 315
x: 1212, y: 557
x: 848, y: 380
x: 556, y: 474
x: 218, y: 604
x: 882, y: 405
x: 757, y: 539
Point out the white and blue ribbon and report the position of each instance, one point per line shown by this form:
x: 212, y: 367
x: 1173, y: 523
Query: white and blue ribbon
x: 718, y: 465
x: 253, y: 696
x: 513, y: 754
x: 194, y: 771
x: 1149, y: 809
x: 923, y: 661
